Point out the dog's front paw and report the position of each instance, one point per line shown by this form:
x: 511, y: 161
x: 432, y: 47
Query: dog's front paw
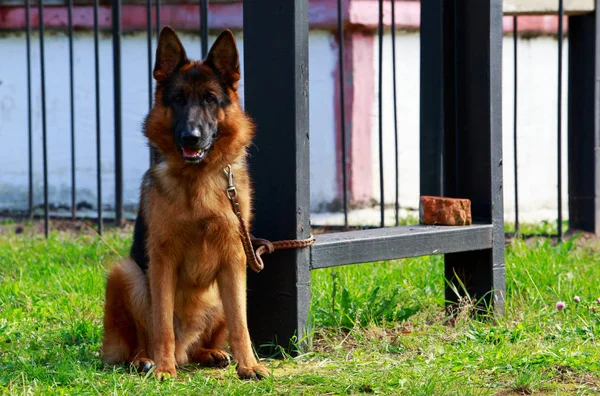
x: 252, y: 372
x: 165, y: 373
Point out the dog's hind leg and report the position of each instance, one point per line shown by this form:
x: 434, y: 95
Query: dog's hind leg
x: 119, y: 328
x: 123, y: 341
x: 140, y: 358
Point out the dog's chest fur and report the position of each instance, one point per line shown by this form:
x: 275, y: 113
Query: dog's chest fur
x: 199, y: 212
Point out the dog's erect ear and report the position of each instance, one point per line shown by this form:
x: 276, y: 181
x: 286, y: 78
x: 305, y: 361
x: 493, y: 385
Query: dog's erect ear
x: 170, y: 54
x: 223, y: 58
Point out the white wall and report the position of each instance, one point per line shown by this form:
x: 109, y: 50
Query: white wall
x: 537, y: 102
x: 322, y: 62
x: 537, y: 125
x: 407, y: 112
x: 537, y: 120
x: 13, y: 117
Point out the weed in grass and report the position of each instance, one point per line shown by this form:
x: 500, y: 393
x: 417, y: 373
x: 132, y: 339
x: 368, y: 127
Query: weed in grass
x: 526, y: 381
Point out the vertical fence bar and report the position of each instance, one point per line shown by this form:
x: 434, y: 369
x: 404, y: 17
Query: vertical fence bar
x: 561, y: 14
x: 29, y: 123
x: 44, y: 134
x: 116, y: 36
x: 583, y: 117
x: 343, y: 111
x: 154, y: 152
x: 515, y: 110
x: 381, y: 179
x: 72, y: 99
x: 282, y: 209
x: 396, y: 158
x: 157, y: 20
x: 98, y: 134
x: 149, y: 43
x: 204, y: 27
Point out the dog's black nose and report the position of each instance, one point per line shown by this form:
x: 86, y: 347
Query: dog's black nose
x: 191, y: 138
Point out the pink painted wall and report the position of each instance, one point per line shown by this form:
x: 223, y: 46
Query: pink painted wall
x: 359, y: 96
x: 322, y: 14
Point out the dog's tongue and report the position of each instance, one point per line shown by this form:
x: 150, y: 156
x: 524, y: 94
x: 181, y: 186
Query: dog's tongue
x: 190, y: 152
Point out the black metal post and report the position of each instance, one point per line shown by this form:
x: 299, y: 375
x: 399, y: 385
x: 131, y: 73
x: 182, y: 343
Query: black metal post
x: 29, y: 124
x: 465, y: 38
x: 432, y: 115
x: 116, y: 36
x: 584, y: 121
x: 72, y: 100
x: 204, y: 27
x: 98, y: 133
x: 344, y: 160
x: 44, y: 134
x: 279, y: 166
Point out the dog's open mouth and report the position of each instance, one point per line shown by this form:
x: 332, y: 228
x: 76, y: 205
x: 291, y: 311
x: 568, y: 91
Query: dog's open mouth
x: 193, y: 155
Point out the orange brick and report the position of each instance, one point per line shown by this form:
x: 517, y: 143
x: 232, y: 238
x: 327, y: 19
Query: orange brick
x: 444, y: 211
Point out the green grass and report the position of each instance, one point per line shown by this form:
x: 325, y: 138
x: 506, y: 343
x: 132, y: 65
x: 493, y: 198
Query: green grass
x: 378, y: 328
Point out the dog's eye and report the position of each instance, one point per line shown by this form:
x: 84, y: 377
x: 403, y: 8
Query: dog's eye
x: 178, y: 98
x: 210, y: 99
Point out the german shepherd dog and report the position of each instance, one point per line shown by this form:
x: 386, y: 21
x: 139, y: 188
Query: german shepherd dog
x: 182, y: 292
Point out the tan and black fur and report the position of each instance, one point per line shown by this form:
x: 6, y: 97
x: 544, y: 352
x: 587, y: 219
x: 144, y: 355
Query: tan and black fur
x: 181, y: 295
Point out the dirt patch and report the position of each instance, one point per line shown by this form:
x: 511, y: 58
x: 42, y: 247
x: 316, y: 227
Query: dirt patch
x: 584, y: 239
x: 78, y: 227
x: 569, y: 376
x: 10, y: 225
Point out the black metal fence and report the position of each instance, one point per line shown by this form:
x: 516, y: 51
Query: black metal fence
x: 460, y: 143
x: 203, y: 19
x: 559, y: 114
x: 583, y: 205
x: 344, y: 148
x: 583, y: 117
x: 116, y: 41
